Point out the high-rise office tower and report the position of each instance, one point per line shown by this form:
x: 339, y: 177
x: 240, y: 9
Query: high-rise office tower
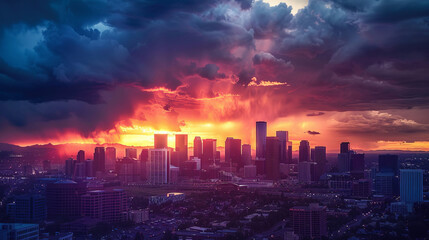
x: 411, y: 186
x: 233, y: 152
x: 160, y: 141
x: 272, y: 158
x: 80, y: 156
x: 289, y: 152
x: 128, y: 170
x: 63, y: 198
x: 357, y: 165
x: 69, y: 167
x: 131, y: 153
x: 80, y: 170
x: 283, y: 138
x: 312, y: 154
x: 344, y: 147
x: 99, y: 159
x: 89, y: 168
x: 105, y: 205
x: 198, y: 147
x: 388, y: 163
x: 309, y: 222
x: 320, y: 159
x: 145, y: 164
x: 181, y: 148
x: 110, y: 158
x: 159, y: 166
x: 307, y: 172
x: 261, y: 135
x: 246, y: 154
x: 209, y: 153
x: 304, y: 151
x: 29, y: 208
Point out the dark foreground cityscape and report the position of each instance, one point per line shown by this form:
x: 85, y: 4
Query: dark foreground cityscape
x: 214, y: 119
x: 178, y: 193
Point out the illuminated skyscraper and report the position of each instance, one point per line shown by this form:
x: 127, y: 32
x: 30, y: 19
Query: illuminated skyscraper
x: 110, y: 157
x: 160, y: 141
x: 246, y: 154
x: 272, y: 158
x: 283, y: 138
x: 181, y: 148
x: 233, y: 152
x: 261, y: 136
x: 198, y: 147
x: 80, y: 156
x: 304, y: 151
x: 209, y: 153
x: 99, y: 159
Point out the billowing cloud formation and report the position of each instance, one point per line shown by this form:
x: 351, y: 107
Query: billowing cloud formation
x: 90, y: 67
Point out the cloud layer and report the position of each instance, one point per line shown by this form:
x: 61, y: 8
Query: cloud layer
x: 88, y: 67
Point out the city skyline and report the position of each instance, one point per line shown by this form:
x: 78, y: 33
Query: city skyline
x: 325, y: 71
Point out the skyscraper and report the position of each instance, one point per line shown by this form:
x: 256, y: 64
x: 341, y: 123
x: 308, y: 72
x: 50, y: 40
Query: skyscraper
x: 304, y: 151
x: 388, y: 163
x: 320, y: 159
x: 110, y: 157
x: 289, y: 152
x: 181, y: 148
x: 160, y: 141
x: 272, y: 158
x: 80, y: 156
x: 261, y: 135
x: 411, y: 186
x: 131, y: 153
x: 357, y: 165
x: 198, y: 147
x: 309, y: 222
x: 233, y: 152
x: 145, y: 164
x: 63, y: 198
x: 344, y: 147
x: 159, y: 166
x: 28, y: 208
x: 283, y: 138
x: 209, y: 153
x: 69, y: 167
x: 246, y: 154
x: 99, y: 159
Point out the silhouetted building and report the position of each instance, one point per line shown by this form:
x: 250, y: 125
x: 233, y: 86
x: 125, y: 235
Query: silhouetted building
x: 357, y: 165
x: 80, y: 156
x: 307, y: 172
x: 160, y: 141
x: 246, y: 154
x: 128, y: 170
x: 289, y: 152
x: 304, y: 151
x: 131, y: 153
x: 99, y: 160
x: 411, y: 187
x: 89, y: 168
x: 29, y: 208
x: 283, y: 138
x: 110, y: 157
x: 309, y: 222
x: 233, y: 152
x: 105, y: 205
x: 261, y: 135
x: 69, y: 167
x: 181, y: 149
x: 198, y: 147
x: 80, y: 170
x: 384, y: 184
x: 361, y: 188
x: 63, y: 198
x: 272, y: 158
x: 159, y: 166
x: 320, y: 159
x: 145, y: 164
x: 344, y: 147
x: 209, y: 153
x: 388, y: 163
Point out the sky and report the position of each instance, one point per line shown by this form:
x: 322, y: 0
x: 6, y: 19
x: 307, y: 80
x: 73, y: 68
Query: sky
x: 118, y: 71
